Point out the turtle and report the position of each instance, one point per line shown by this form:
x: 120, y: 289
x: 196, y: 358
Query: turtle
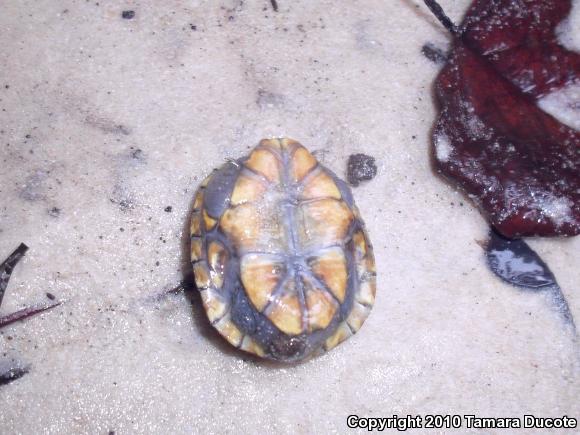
x: 280, y: 253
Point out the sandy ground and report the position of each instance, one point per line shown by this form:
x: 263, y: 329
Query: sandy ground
x: 105, y: 122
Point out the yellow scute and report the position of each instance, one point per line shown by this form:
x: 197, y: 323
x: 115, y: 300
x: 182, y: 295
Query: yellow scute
x: 195, y: 249
x: 198, y: 200
x: 209, y: 222
x: 287, y: 315
x: 260, y: 275
x: 241, y: 223
x: 320, y: 185
x: 302, y: 163
x: 195, y: 227
x: 217, y: 256
x: 264, y: 162
x: 330, y: 267
x: 229, y: 330
x: 250, y: 345
x: 214, y: 306
x: 254, y: 227
x: 247, y: 189
x: 201, y: 273
x: 321, y: 308
x: 323, y: 223
x: 341, y: 334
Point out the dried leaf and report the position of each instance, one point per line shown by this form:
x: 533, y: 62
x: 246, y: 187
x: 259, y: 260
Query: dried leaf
x: 517, y: 162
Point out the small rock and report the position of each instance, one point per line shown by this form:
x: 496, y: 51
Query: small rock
x: 360, y: 167
x: 168, y: 209
x: 128, y: 15
x: 54, y: 212
x: 138, y: 154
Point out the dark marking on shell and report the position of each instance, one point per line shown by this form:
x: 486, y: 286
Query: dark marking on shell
x: 243, y: 315
x: 218, y: 191
x: 289, y: 348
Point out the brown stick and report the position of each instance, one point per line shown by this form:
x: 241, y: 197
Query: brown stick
x: 439, y: 13
x: 24, y: 314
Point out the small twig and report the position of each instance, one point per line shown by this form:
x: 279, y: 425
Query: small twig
x: 186, y: 285
x: 274, y: 5
x: 24, y: 314
x: 439, y: 13
x: 7, y: 267
x: 172, y: 291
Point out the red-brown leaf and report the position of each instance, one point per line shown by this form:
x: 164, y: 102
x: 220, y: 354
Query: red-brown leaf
x: 518, y: 163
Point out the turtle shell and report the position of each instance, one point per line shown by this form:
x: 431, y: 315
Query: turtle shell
x: 280, y: 253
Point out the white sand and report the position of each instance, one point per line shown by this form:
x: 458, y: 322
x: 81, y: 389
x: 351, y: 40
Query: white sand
x: 125, y: 117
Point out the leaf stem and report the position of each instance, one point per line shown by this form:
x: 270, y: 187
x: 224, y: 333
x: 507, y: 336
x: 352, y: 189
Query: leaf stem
x: 439, y: 13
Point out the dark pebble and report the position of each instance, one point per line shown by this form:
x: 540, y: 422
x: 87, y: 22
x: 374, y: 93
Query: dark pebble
x: 168, y: 209
x: 128, y: 15
x: 360, y: 167
x: 137, y: 154
x: 50, y: 296
x: 54, y: 212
